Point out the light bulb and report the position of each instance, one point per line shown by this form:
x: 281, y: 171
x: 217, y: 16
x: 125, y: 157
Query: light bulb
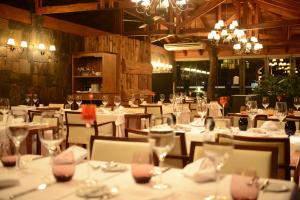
x: 145, y: 3
x: 11, y: 42
x: 24, y: 44
x: 237, y: 46
x: 221, y: 23
x: 42, y: 46
x: 253, y: 39
x: 217, y: 37
x: 165, y: 3
x: 217, y: 26
x: 210, y: 36
x: 235, y: 23
x: 224, y: 32
x: 52, y: 48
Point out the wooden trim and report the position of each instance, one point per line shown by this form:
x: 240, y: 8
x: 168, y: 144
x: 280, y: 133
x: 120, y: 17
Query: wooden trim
x: 15, y: 14
x: 273, y: 24
x: 135, y: 131
x: 105, y: 123
x: 138, y: 117
x: 77, y: 7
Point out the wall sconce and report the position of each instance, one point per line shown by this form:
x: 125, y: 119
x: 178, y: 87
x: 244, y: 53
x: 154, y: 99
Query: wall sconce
x: 11, y: 45
x: 42, y: 48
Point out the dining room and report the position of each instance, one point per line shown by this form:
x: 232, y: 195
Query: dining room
x: 149, y: 99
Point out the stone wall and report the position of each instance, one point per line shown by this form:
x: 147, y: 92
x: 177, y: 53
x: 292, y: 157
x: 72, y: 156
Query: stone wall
x: 26, y: 72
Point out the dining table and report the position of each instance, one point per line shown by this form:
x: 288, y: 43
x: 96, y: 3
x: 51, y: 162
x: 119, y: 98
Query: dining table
x: 38, y: 173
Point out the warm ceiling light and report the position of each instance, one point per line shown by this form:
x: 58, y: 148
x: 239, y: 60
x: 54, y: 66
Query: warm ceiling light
x: 24, y: 44
x: 52, y: 48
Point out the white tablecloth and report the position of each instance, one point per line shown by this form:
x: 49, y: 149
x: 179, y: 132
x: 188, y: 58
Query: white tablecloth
x: 182, y: 188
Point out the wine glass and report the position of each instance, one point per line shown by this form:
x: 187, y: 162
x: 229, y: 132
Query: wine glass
x: 218, y: 153
x: 142, y: 98
x: 177, y: 108
x: 27, y: 99
x: 202, y: 109
x: 4, y: 107
x: 161, y: 139
x: 35, y: 99
x: 162, y: 98
x: 17, y: 131
x: 281, y: 111
x: 223, y: 102
x: 247, y: 99
x: 104, y: 100
x: 265, y: 102
x: 51, y: 131
x: 70, y: 100
x: 252, y: 111
x: 297, y: 102
x: 171, y: 98
x: 78, y: 100
x: 117, y: 101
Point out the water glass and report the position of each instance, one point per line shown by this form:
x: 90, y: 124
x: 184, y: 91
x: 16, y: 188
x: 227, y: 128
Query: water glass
x: 142, y: 167
x: 162, y: 98
x: 17, y: 131
x: 35, y: 99
x: 281, y: 111
x: 162, y: 139
x: 63, y: 166
x: 171, y: 98
x: 7, y: 156
x: 78, y: 100
x: 4, y: 105
x: 202, y: 109
x: 117, y: 101
x: 70, y: 100
x: 27, y: 99
x: 104, y: 100
x: 252, y: 111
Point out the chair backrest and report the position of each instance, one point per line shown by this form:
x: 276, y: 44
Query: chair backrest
x: 48, y: 108
x: 56, y: 105
x: 153, y: 109
x: 77, y: 133
x: 137, y: 121
x: 260, y: 122
x: 107, y: 128
x: 117, y: 149
x: 177, y: 157
x: 134, y: 110
x: 297, y: 172
x: 34, y: 115
x: 223, y: 122
x: 282, y: 144
x: 261, y: 159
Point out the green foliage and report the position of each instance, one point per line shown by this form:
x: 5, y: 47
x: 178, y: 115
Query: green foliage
x: 279, y: 86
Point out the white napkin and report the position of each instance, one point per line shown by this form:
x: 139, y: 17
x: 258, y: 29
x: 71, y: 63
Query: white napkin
x: 197, y: 122
x: 79, y: 153
x: 120, y: 109
x: 214, y: 109
x: 201, y: 170
x: 270, y: 126
x: 103, y: 110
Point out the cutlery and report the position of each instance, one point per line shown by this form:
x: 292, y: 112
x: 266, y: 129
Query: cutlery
x: 40, y: 187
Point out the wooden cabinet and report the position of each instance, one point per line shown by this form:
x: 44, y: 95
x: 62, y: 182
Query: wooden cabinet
x: 94, y: 72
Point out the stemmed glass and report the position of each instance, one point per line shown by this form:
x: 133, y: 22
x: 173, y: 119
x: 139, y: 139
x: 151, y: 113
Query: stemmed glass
x: 117, y: 101
x: 247, y: 99
x: 35, y: 99
x: 252, y: 111
x: 104, y: 100
x: 177, y: 108
x: 27, y: 99
x: 218, y: 153
x: 202, y: 109
x: 161, y: 139
x: 78, y: 100
x: 223, y: 102
x: 51, y: 131
x: 265, y: 102
x: 281, y: 111
x: 162, y: 98
x: 142, y: 98
x: 297, y: 102
x: 17, y: 131
x: 70, y: 100
x: 171, y: 98
x: 4, y: 107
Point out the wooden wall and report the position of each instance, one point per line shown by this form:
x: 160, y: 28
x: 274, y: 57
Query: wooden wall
x: 134, y: 62
x: 47, y: 75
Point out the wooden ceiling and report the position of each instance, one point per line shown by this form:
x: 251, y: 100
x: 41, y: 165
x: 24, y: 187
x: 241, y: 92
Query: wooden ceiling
x: 275, y: 22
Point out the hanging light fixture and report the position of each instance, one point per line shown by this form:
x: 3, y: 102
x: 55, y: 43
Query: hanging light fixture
x: 147, y: 6
x: 245, y: 45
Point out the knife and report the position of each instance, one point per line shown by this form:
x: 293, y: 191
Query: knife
x: 40, y: 187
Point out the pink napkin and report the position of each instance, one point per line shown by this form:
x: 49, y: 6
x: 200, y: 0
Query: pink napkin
x: 244, y: 188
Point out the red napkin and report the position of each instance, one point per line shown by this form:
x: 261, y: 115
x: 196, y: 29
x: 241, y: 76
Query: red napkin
x: 88, y: 113
x: 244, y: 187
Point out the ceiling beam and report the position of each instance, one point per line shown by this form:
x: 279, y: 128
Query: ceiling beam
x: 194, y: 31
x: 200, y: 11
x: 78, y: 7
x: 16, y: 14
x: 273, y: 24
x: 134, y: 15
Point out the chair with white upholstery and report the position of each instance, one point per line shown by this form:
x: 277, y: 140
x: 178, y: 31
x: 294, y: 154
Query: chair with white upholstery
x: 177, y: 157
x: 263, y: 160
x: 77, y: 133
x: 282, y: 144
x: 137, y: 120
x: 56, y: 105
x: 117, y: 149
x: 153, y: 109
x: 107, y: 128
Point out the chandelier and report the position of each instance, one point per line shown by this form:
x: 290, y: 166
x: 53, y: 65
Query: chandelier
x: 224, y: 33
x: 148, y: 6
x: 245, y: 45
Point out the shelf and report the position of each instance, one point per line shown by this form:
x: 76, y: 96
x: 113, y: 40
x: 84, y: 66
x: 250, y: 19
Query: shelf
x: 87, y: 76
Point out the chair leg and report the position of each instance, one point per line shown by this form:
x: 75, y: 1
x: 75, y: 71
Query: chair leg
x: 29, y: 144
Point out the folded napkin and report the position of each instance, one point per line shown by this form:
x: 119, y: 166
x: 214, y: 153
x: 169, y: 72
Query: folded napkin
x: 244, y: 187
x: 214, y: 109
x: 79, y: 153
x: 103, y: 111
x: 270, y: 126
x: 197, y: 122
x: 202, y: 170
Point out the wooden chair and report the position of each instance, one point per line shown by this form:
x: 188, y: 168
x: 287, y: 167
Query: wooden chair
x: 47, y: 108
x: 261, y: 159
x: 153, y: 109
x: 282, y: 144
x: 34, y: 116
x: 297, y: 172
x: 56, y: 105
x: 106, y: 128
x: 137, y: 121
x: 134, y: 110
x: 259, y: 122
x: 177, y: 157
x: 117, y: 149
